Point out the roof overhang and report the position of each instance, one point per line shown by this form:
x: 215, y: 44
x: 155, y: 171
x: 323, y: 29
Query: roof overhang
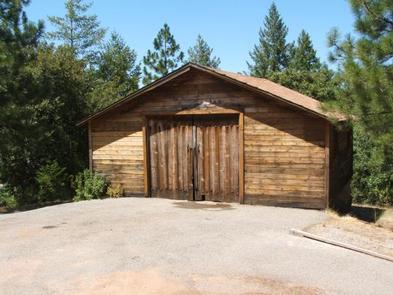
x: 318, y: 111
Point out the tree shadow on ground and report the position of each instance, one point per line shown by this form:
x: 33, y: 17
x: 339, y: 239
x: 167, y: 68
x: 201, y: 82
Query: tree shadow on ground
x: 4, y: 210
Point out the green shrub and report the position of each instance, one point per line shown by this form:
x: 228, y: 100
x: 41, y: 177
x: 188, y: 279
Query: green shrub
x: 7, y: 198
x: 372, y: 180
x: 53, y: 183
x: 115, y: 191
x: 89, y: 185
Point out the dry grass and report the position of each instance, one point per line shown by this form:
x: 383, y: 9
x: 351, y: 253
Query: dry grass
x: 348, y: 229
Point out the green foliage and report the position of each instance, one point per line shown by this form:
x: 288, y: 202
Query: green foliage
x: 372, y: 181
x: 117, y: 73
x: 165, y: 57
x: 303, y: 55
x: 320, y: 84
x: 295, y: 66
x: 305, y: 73
x: 53, y: 182
x: 18, y: 43
x: 7, y: 198
x: 43, y: 127
x: 18, y: 50
x: 115, y: 191
x: 272, y: 52
x: 77, y: 30
x: 366, y: 68
x: 89, y: 185
x: 43, y: 93
x: 117, y: 62
x: 366, y: 94
x: 201, y: 54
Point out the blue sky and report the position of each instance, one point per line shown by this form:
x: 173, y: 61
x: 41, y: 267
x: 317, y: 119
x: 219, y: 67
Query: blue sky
x: 229, y: 26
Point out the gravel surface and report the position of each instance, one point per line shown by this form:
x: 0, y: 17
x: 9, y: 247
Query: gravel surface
x: 360, y: 234
x: 157, y: 246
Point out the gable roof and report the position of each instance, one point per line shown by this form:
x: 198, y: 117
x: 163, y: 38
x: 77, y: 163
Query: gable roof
x: 259, y: 85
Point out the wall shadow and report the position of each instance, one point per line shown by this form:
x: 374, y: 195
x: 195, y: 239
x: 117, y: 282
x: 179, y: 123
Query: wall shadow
x: 368, y: 214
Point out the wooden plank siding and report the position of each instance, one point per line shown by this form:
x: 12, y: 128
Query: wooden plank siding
x: 217, y: 145
x: 284, y: 148
x: 284, y: 158
x: 170, y: 158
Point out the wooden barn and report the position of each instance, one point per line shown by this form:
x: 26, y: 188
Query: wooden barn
x: 205, y: 134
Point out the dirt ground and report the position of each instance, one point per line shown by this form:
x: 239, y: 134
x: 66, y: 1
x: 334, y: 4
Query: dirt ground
x: 362, y: 234
x: 157, y: 246
x: 154, y: 282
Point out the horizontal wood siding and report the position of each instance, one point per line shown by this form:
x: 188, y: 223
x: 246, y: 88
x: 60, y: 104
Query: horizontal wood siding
x: 284, y: 158
x: 117, y: 145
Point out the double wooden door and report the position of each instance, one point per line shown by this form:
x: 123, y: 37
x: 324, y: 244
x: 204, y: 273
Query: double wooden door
x: 194, y: 158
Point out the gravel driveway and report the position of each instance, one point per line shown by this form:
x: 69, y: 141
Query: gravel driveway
x: 157, y: 246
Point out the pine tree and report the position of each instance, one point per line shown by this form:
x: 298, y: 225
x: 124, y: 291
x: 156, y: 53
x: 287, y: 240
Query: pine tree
x: 366, y: 69
x: 42, y: 90
x: 366, y: 66
x: 165, y: 57
x: 271, y: 54
x: 42, y: 127
x: 303, y: 56
x: 201, y: 54
x: 320, y: 84
x: 19, y: 39
x: 117, y: 73
x: 305, y: 73
x: 76, y: 29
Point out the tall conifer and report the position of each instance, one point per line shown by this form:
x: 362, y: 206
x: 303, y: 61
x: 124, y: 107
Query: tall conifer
x: 165, y: 57
x: 366, y: 67
x: 116, y: 75
x: 201, y: 53
x: 271, y: 54
x: 304, y: 56
x: 76, y: 29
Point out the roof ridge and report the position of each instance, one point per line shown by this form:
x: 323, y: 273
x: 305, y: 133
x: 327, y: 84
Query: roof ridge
x: 261, y: 85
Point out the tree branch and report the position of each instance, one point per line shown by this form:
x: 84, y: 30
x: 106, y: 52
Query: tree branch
x: 384, y: 19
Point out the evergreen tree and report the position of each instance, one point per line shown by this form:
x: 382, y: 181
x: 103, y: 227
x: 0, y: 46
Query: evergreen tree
x: 76, y: 29
x: 295, y: 66
x: 43, y: 128
x: 117, y: 62
x: 305, y: 73
x: 19, y: 40
x: 303, y: 56
x: 201, y: 54
x: 271, y: 54
x: 42, y: 96
x: 320, y: 84
x: 165, y: 57
x: 366, y: 69
x: 117, y: 73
